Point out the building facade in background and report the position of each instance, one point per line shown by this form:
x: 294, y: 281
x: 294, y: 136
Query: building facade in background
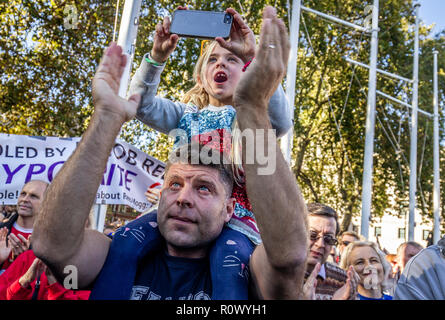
x: 391, y: 230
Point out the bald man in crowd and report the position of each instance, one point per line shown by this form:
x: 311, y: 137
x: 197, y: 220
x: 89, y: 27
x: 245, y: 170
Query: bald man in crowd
x: 15, y: 233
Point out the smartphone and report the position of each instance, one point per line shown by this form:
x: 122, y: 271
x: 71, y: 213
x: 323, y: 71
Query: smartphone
x: 201, y: 24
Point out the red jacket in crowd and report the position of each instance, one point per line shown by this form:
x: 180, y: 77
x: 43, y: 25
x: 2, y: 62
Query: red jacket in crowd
x: 15, y: 230
x: 10, y: 288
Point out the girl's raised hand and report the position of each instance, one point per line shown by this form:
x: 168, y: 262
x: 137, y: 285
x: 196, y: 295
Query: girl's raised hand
x: 242, y: 40
x: 164, y: 42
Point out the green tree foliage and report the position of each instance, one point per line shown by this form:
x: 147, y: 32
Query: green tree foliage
x: 47, y: 67
x: 331, y: 99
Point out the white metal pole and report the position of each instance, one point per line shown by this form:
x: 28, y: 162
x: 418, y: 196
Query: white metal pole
x: 370, y: 124
x: 99, y: 214
x: 334, y: 19
x: 386, y: 73
x: 404, y: 103
x: 287, y: 140
x: 127, y: 40
x: 413, y: 151
x: 436, y: 193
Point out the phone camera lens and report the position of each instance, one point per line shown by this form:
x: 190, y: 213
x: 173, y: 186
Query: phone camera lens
x: 227, y: 18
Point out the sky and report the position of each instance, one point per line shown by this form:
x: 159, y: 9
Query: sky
x: 433, y: 11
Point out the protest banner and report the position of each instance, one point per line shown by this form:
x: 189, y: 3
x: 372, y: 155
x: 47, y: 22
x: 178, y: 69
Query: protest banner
x: 128, y: 174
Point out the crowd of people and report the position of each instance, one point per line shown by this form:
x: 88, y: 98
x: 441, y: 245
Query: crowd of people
x: 361, y: 270
x: 220, y: 229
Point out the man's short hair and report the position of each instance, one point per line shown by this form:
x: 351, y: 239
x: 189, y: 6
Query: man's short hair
x: 37, y: 180
x: 318, y: 209
x: 200, y: 155
x: 350, y: 233
x: 409, y: 243
x: 40, y: 181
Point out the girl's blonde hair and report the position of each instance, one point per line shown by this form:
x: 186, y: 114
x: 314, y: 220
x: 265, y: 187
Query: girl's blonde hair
x: 200, y: 98
x: 197, y: 95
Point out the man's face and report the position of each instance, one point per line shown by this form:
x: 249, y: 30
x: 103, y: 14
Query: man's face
x: 319, y: 250
x: 405, y: 255
x: 193, y: 208
x: 345, y: 240
x: 30, y: 199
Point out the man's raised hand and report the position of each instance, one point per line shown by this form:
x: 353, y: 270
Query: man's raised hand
x: 106, y: 84
x: 310, y: 285
x: 349, y: 290
x: 265, y: 73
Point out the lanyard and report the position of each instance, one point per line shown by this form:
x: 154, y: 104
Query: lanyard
x: 36, y: 289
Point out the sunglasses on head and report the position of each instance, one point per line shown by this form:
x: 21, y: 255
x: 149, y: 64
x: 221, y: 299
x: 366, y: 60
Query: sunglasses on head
x: 328, y: 239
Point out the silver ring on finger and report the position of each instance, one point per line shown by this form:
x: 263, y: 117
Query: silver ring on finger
x: 272, y: 46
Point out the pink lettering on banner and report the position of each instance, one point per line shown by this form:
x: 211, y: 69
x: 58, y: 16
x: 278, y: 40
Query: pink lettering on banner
x: 128, y: 180
x: 125, y: 179
x: 123, y: 173
x: 110, y: 175
x: 10, y: 173
x: 52, y: 168
x: 31, y: 171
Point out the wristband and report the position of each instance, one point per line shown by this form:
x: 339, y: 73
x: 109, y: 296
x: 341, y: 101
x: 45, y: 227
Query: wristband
x: 247, y: 64
x: 150, y: 60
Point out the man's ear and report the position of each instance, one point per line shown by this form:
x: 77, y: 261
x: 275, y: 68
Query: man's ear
x: 230, y: 208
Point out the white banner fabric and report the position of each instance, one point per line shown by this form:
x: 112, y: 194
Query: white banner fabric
x: 128, y: 174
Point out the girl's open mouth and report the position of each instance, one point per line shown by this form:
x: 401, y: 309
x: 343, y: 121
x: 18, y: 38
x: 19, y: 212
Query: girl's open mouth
x: 220, y: 77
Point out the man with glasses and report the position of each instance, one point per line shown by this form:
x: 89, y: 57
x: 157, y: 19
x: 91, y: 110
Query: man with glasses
x: 324, y: 280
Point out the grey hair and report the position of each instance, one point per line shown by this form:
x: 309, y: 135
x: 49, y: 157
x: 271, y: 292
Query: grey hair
x: 409, y: 243
x: 352, y: 234
x: 345, y: 263
x: 37, y: 180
